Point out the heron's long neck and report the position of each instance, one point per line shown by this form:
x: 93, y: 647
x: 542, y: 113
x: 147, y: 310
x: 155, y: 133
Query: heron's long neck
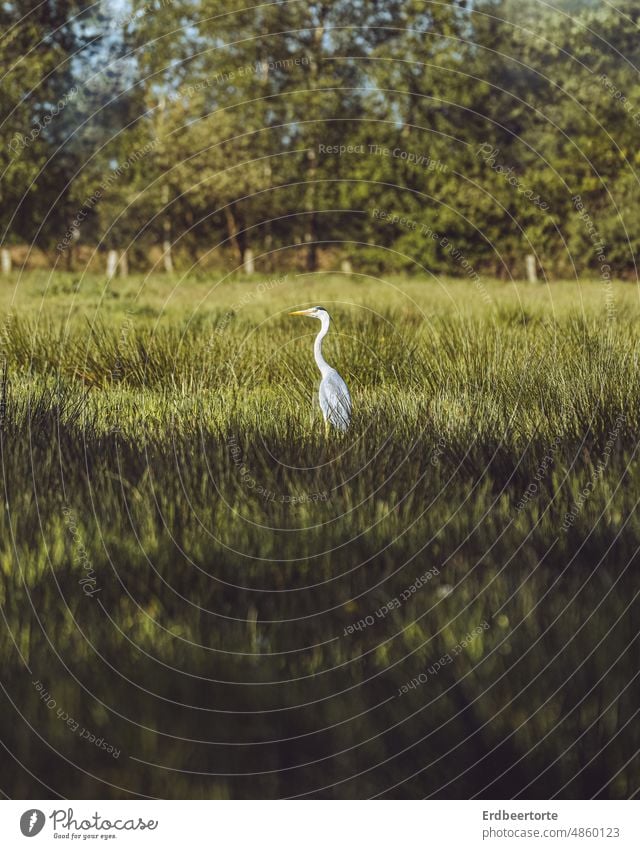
x: 323, y: 365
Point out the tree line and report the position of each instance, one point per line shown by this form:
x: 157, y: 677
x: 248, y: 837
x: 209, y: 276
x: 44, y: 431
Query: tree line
x: 303, y: 133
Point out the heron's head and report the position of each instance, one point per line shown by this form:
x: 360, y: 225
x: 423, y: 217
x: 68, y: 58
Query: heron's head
x: 312, y: 312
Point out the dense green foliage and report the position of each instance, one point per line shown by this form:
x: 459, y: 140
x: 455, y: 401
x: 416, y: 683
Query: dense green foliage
x: 213, y: 127
x: 185, y: 554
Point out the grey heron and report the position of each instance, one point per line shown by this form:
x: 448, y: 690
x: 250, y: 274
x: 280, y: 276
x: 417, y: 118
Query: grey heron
x: 335, y: 401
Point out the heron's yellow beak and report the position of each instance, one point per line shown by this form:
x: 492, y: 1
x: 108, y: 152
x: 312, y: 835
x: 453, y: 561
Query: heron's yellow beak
x: 301, y: 312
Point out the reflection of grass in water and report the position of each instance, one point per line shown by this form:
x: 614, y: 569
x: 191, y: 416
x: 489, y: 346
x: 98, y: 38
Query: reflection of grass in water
x: 204, y: 579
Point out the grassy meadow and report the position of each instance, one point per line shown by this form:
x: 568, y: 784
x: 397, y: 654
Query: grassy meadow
x: 441, y: 602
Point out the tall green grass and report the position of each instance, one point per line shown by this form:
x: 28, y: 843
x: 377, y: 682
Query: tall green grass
x: 169, y: 450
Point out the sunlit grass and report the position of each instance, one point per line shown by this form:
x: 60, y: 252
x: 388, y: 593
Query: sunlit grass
x: 187, y: 445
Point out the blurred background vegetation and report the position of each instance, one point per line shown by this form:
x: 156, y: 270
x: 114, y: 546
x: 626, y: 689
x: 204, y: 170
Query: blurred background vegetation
x: 207, y: 124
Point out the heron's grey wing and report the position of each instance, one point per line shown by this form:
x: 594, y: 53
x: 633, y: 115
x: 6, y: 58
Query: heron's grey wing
x: 335, y: 400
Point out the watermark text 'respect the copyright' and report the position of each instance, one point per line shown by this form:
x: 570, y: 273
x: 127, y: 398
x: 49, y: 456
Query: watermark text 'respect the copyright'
x: 420, y: 160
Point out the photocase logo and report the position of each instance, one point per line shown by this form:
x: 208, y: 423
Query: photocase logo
x: 32, y: 822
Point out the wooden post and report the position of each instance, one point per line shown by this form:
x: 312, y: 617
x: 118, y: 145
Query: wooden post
x: 112, y: 263
x: 123, y: 264
x: 532, y: 269
x: 5, y: 260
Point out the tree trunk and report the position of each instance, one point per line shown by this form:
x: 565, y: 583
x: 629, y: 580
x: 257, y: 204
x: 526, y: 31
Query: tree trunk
x: 268, y: 243
x: 167, y: 259
x: 311, y: 199
x: 311, y: 236
x: 232, y: 229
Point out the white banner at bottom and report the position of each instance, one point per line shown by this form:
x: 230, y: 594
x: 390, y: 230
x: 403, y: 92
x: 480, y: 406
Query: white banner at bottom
x: 321, y: 824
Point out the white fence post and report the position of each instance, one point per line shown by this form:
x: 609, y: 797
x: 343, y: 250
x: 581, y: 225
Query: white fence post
x: 5, y: 260
x: 249, y: 265
x: 112, y: 263
x: 167, y: 259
